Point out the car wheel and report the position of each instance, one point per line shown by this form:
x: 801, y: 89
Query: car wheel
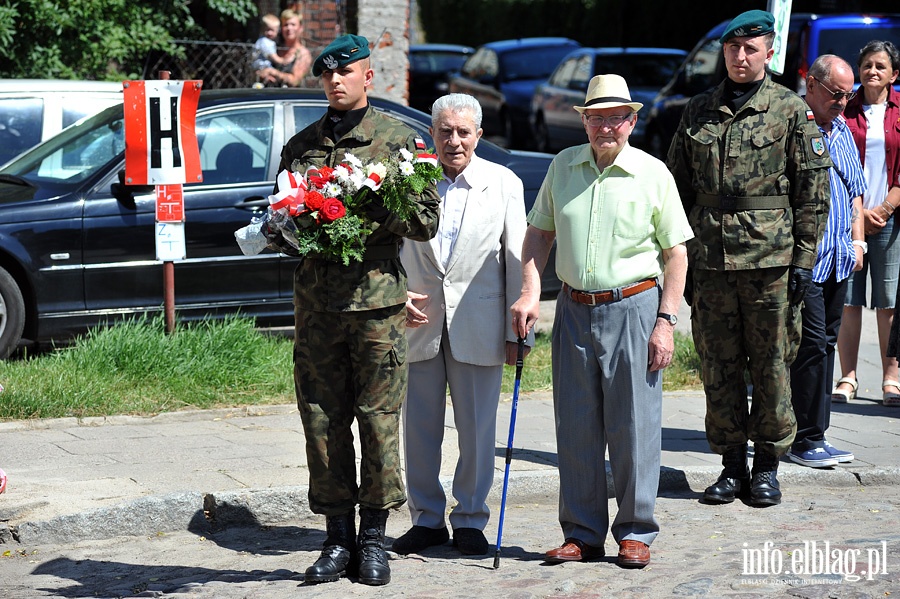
x: 12, y: 314
x: 541, y: 135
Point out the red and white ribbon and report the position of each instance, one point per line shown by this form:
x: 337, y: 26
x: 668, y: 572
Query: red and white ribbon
x: 431, y: 159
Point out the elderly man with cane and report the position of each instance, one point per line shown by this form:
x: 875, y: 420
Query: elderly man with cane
x: 617, y: 219
x: 462, y: 283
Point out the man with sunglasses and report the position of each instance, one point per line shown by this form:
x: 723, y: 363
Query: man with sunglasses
x: 828, y: 88
x: 752, y: 171
x: 618, y: 224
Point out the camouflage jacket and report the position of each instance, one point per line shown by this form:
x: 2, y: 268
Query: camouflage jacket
x: 328, y: 286
x: 770, y: 163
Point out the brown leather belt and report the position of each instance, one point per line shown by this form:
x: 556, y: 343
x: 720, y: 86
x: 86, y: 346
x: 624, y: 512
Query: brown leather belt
x: 603, y: 297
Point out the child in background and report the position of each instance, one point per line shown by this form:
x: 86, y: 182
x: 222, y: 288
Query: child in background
x: 265, y: 46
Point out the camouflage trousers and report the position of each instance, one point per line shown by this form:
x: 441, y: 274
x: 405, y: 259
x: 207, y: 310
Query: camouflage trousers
x: 351, y: 365
x: 742, y: 322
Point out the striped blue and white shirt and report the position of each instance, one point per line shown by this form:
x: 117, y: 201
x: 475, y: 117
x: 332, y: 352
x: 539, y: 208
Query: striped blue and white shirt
x: 835, y: 250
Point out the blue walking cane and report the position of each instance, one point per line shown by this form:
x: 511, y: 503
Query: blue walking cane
x: 509, y: 444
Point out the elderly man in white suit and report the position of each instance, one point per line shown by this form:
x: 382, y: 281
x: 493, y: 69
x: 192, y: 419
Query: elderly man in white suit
x: 461, y: 286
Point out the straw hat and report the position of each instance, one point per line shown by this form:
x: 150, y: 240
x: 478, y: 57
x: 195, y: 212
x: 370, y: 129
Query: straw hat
x: 608, y: 91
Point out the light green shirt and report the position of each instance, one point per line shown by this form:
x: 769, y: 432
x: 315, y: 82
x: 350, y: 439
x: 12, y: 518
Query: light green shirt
x: 610, y: 226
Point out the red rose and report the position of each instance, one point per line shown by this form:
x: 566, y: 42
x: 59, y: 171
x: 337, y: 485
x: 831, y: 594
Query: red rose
x: 314, y: 201
x: 332, y: 210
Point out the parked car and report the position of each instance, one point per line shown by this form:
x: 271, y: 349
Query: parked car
x: 809, y: 36
x: 503, y: 76
x: 430, y: 67
x: 33, y: 110
x: 557, y: 125
x: 77, y: 245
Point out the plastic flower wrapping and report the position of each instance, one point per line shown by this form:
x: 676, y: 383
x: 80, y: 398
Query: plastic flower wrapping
x: 323, y: 211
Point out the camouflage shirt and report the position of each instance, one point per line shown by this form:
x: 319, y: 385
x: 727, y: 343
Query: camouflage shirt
x: 328, y: 286
x: 769, y: 152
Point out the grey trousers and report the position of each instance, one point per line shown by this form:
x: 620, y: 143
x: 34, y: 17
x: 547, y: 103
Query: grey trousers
x: 603, y: 396
x: 475, y: 394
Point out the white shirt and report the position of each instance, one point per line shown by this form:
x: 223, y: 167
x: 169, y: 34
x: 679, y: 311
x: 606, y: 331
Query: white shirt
x: 454, y: 195
x: 875, y: 166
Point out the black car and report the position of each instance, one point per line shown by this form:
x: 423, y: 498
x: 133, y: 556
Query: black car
x: 557, y: 124
x: 503, y: 76
x: 77, y: 246
x: 430, y: 66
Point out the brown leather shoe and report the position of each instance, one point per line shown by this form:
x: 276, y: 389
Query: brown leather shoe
x: 574, y: 550
x: 633, y: 554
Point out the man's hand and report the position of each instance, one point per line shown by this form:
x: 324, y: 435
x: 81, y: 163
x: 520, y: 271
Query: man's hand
x: 524, y: 314
x: 414, y: 316
x: 661, y: 346
x: 799, y: 283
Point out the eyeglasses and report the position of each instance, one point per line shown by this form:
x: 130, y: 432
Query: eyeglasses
x: 837, y: 96
x: 613, y: 122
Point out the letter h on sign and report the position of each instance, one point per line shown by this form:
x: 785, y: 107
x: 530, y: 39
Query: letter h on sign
x: 160, y: 140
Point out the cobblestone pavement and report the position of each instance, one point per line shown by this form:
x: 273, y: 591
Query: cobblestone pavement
x: 831, y: 542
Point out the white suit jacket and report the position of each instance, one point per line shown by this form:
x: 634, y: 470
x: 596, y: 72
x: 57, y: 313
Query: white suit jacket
x: 483, y: 276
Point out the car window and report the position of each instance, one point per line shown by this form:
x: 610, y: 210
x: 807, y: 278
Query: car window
x: 563, y: 73
x: 21, y: 122
x: 847, y: 42
x: 235, y: 145
x: 305, y: 115
x: 490, y: 65
x: 532, y: 63
x: 583, y: 72
x: 700, y: 72
x: 474, y: 67
x: 640, y: 70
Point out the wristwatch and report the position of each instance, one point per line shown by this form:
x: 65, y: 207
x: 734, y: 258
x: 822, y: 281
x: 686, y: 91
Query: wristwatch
x: 862, y: 244
x: 673, y: 320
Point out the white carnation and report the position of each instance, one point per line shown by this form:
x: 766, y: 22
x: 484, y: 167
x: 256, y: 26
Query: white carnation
x: 407, y: 155
x: 352, y: 160
x: 378, y: 168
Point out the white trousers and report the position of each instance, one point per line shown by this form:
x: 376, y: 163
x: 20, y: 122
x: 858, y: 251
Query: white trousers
x: 475, y: 394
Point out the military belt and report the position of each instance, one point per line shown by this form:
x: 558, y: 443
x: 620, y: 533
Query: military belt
x: 742, y: 203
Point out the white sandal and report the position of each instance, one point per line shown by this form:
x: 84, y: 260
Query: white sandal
x: 890, y: 398
x: 842, y: 396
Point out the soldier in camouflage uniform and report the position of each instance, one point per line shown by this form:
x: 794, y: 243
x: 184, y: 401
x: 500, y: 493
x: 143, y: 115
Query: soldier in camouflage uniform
x: 350, y: 331
x: 751, y: 169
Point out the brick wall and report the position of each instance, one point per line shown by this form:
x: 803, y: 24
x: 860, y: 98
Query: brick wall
x: 386, y: 25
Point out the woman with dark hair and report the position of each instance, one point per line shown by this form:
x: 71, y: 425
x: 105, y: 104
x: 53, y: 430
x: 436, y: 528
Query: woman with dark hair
x: 296, y: 56
x: 874, y: 119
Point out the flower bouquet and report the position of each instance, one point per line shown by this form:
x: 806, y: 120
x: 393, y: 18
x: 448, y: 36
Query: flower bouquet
x: 323, y: 211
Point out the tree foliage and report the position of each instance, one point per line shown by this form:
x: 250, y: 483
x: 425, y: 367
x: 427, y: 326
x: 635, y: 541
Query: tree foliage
x: 98, y: 39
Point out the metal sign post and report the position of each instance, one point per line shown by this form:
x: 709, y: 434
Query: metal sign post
x: 161, y: 149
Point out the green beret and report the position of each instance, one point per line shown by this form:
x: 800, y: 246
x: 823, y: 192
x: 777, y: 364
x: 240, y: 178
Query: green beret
x: 752, y: 23
x: 342, y: 51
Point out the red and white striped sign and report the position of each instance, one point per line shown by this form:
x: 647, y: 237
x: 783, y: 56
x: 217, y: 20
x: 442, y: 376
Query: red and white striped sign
x: 160, y: 140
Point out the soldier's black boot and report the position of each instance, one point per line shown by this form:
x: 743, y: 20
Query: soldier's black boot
x: 340, y: 545
x: 735, y: 477
x: 373, y: 561
x: 764, y: 488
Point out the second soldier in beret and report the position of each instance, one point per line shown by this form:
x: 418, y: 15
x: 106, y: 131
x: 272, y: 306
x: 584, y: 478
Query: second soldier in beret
x: 350, y: 329
x: 752, y: 171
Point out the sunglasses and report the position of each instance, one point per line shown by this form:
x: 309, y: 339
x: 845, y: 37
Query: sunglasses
x: 836, y: 96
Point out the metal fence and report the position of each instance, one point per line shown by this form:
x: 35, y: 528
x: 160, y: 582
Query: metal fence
x: 221, y: 65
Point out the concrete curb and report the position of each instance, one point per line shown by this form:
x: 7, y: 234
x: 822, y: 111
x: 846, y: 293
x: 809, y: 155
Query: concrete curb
x: 199, y: 512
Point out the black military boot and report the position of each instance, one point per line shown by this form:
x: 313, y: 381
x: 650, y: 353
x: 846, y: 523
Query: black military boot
x: 340, y: 545
x: 764, y: 488
x: 735, y: 477
x: 373, y: 561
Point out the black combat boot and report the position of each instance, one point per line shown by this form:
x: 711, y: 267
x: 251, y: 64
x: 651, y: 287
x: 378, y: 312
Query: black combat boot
x: 764, y: 488
x: 340, y: 545
x: 735, y: 477
x: 373, y: 561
